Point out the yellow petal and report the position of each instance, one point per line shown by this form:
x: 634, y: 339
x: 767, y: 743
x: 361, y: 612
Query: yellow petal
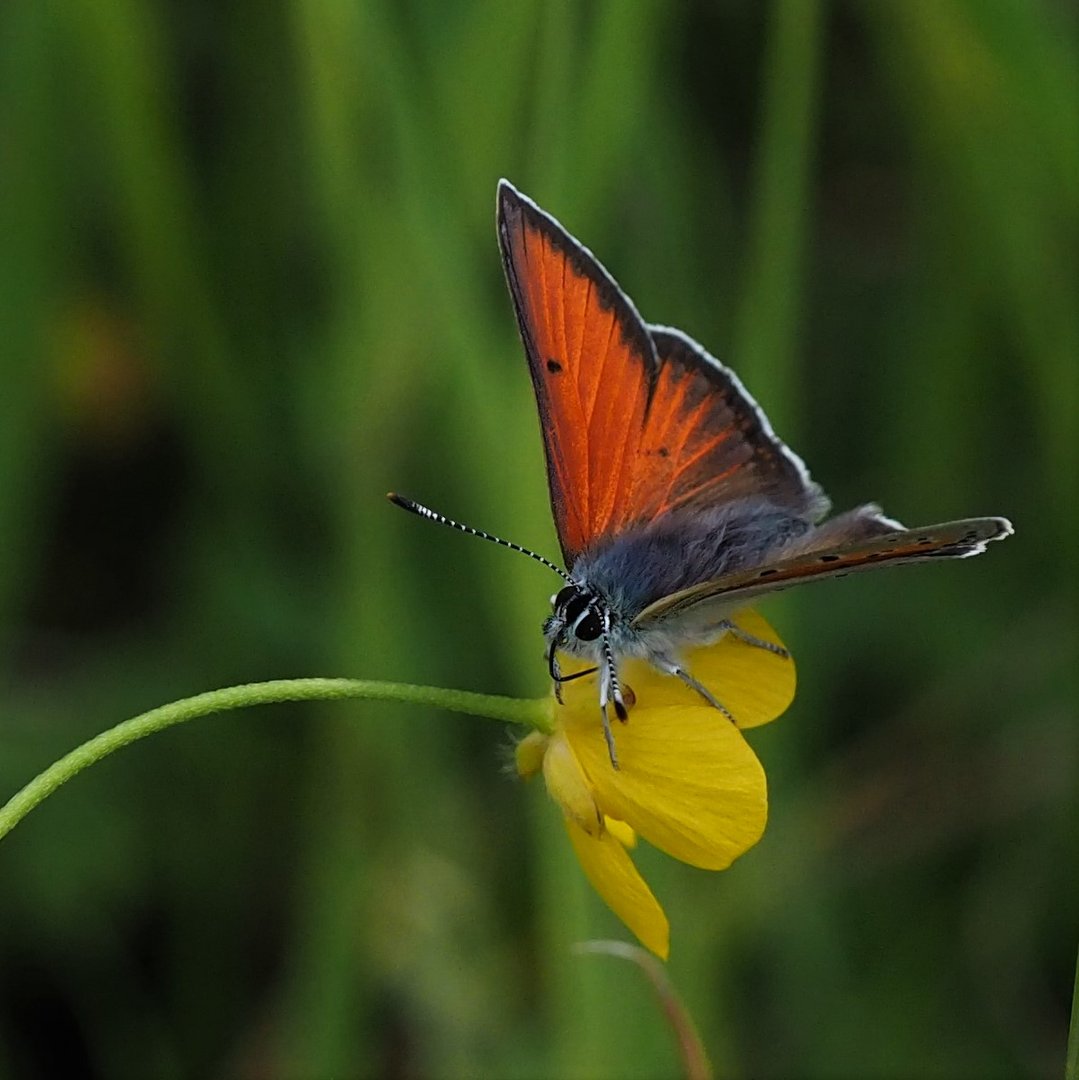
x: 621, y: 832
x: 688, y: 782
x: 528, y: 754
x: 753, y: 684
x: 612, y: 874
x: 569, y: 787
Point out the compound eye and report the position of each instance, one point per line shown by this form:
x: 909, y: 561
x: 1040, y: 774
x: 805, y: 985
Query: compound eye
x: 589, y: 627
x: 563, y: 595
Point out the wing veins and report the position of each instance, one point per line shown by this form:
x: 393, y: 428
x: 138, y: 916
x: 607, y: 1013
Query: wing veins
x: 582, y: 504
x: 720, y: 438
x: 686, y: 429
x: 555, y: 450
x: 603, y: 401
x: 688, y: 496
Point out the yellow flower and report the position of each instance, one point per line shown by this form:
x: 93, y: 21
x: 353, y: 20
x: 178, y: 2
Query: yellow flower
x: 687, y: 780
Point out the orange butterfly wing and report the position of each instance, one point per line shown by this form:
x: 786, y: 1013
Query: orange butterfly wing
x: 706, y: 440
x: 592, y: 363
x: 637, y: 421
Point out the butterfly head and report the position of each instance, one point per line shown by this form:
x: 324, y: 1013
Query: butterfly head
x: 580, y: 617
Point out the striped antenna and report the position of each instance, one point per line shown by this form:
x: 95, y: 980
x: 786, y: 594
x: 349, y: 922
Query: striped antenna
x: 414, y: 507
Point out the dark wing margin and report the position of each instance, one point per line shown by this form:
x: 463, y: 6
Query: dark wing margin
x: 707, y: 442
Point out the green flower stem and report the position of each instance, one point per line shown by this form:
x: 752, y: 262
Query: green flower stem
x: 534, y: 714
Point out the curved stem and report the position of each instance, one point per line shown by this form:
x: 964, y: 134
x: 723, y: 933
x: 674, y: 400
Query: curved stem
x: 535, y: 714
x: 695, y: 1063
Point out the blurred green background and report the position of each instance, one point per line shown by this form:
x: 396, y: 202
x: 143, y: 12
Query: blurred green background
x: 249, y: 282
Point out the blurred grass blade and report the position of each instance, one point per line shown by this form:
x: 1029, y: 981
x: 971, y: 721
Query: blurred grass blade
x: 766, y: 338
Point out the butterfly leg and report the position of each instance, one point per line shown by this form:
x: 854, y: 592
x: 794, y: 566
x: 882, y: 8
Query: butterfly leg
x: 749, y: 639
x: 556, y: 674
x: 609, y: 690
x: 608, y: 734
x: 671, y: 668
x: 557, y: 677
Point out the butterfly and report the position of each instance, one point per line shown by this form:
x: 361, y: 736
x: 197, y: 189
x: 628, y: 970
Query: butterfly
x: 675, y: 502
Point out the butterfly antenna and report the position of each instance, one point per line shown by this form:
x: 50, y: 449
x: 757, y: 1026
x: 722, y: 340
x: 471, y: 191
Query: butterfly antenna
x: 419, y: 510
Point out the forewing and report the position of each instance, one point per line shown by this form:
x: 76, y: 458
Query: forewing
x: 707, y: 603
x: 706, y: 441
x: 593, y: 365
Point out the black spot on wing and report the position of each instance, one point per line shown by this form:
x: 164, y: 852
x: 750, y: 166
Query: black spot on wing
x: 554, y: 367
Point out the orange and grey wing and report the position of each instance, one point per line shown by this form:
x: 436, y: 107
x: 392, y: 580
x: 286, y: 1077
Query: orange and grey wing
x: 708, y: 603
x: 707, y: 442
x: 593, y: 366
